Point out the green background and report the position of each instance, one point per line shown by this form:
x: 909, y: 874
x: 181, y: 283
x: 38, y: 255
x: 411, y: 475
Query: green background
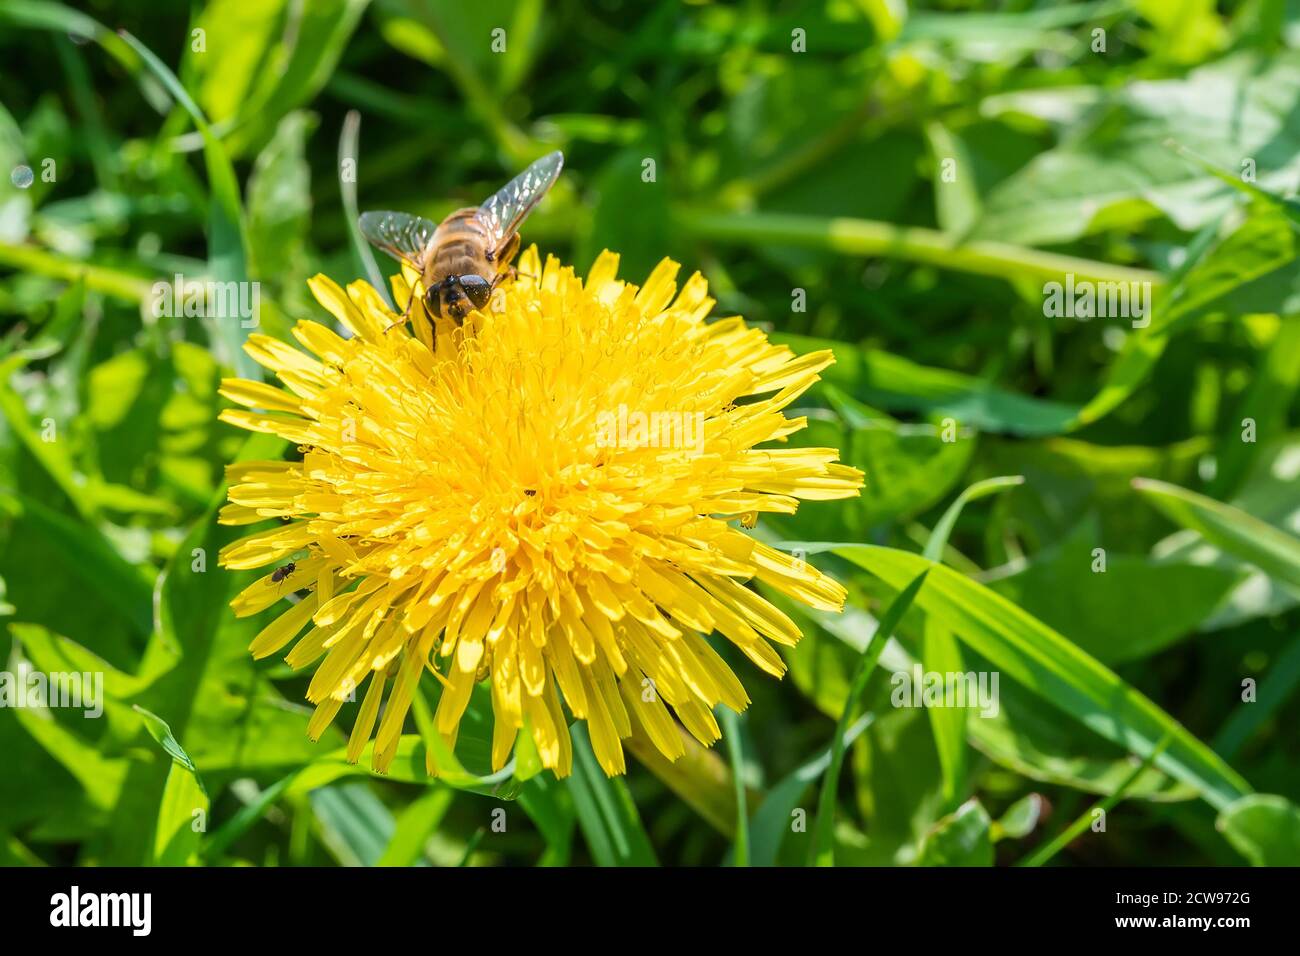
x: 898, y: 184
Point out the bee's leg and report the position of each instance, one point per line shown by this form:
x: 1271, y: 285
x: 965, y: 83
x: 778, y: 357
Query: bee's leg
x: 406, y: 313
x: 504, y: 256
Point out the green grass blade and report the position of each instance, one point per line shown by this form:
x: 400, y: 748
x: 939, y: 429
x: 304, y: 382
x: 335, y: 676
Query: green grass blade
x: 1274, y: 690
x: 941, y: 652
x: 1048, y: 850
x: 183, y: 811
x: 227, y: 243
x: 822, y: 851
x: 1033, y: 654
x: 731, y: 730
x: 414, y: 826
x: 230, y: 831
x: 349, y: 148
x: 772, y: 820
x: 1272, y: 550
x: 942, y: 530
x: 355, y: 824
x: 606, y: 814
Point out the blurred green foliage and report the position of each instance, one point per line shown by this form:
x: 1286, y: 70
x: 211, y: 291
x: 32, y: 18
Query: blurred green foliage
x: 898, y: 182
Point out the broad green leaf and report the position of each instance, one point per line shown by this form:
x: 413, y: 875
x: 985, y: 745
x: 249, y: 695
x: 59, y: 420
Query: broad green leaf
x: 1189, y: 31
x: 830, y: 187
x: 260, y: 62
x: 100, y: 775
x: 1019, y: 30
x: 1143, y: 348
x: 1039, y: 743
x: 53, y: 653
x: 907, y: 468
x: 1102, y: 598
x: 1252, y: 268
x: 84, y: 555
x: 51, y: 456
x: 963, y: 838
x: 154, y: 424
x: 240, y: 46
x: 1019, y: 819
x: 201, y: 679
x: 1068, y: 481
x: 629, y: 215
x: 1272, y: 390
x: 894, y: 382
x: 940, y: 651
x: 1263, y: 828
x: 483, y: 64
x: 1117, y: 172
x: 1271, y: 198
x: 49, y: 793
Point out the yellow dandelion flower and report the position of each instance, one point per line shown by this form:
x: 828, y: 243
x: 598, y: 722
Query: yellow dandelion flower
x: 544, y: 499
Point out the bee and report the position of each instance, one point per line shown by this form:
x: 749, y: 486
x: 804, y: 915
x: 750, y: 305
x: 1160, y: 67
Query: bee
x: 462, y: 259
x: 280, y: 573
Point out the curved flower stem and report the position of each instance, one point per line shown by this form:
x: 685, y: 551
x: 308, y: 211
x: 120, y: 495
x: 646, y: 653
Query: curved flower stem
x: 120, y: 285
x: 866, y: 237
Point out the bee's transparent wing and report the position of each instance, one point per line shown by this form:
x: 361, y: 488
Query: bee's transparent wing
x: 510, y: 204
x: 399, y: 234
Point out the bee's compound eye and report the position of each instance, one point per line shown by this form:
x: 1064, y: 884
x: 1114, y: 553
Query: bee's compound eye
x: 477, y: 289
x: 432, y: 305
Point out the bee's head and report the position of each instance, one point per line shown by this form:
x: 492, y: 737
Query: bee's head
x: 457, y: 296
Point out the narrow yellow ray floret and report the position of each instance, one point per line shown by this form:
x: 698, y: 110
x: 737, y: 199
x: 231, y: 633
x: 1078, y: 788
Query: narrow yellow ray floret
x: 548, y: 499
